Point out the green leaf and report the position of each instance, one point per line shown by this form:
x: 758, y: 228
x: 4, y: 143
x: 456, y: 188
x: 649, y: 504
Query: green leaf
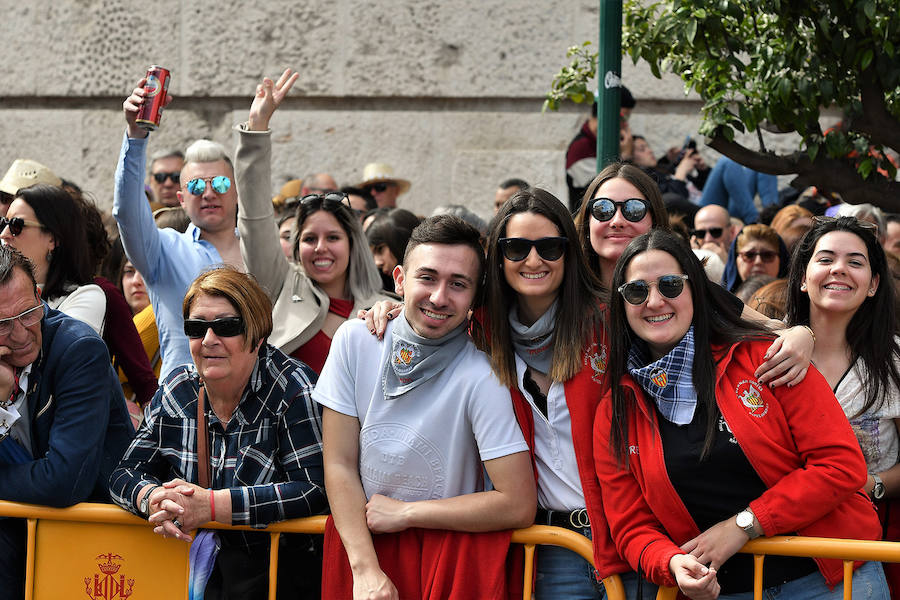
x: 865, y: 168
x: 869, y: 9
x: 812, y: 150
x: 691, y: 31
x: 867, y: 57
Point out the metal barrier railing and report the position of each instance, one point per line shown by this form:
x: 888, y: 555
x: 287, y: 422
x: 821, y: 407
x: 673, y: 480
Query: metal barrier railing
x: 175, y: 551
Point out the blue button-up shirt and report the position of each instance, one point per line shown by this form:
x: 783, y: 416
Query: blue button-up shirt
x: 167, y: 260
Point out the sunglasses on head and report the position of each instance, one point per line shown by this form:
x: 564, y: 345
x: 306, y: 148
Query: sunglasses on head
x: 633, y: 209
x: 161, y: 177
x: 378, y: 187
x: 636, y: 292
x: 714, y: 232
x: 330, y: 202
x: 220, y: 184
x: 767, y: 256
x: 518, y: 249
x: 224, y: 327
x: 17, y: 224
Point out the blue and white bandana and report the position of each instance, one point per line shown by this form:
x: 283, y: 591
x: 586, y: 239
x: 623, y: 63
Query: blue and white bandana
x: 669, y: 380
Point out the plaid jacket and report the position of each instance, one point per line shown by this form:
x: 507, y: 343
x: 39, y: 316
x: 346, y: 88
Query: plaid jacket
x: 269, y: 454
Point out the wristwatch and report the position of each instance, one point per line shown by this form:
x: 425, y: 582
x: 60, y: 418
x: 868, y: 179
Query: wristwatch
x: 878, y: 488
x: 745, y: 520
x: 144, y: 507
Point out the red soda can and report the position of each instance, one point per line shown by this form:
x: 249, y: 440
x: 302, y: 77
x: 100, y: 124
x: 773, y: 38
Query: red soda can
x: 157, y: 86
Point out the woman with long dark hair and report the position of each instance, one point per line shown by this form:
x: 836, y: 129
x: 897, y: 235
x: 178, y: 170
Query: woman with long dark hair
x: 48, y: 226
x: 544, y: 335
x: 622, y: 203
x: 841, y: 287
x: 695, y: 456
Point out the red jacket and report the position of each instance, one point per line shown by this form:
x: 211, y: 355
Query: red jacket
x: 797, y: 440
x: 582, y: 397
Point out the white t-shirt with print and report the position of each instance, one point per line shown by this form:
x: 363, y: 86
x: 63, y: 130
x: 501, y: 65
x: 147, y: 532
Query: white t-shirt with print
x: 875, y: 429
x: 430, y: 442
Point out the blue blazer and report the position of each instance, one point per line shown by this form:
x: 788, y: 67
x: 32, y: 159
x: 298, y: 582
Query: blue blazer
x: 79, y: 421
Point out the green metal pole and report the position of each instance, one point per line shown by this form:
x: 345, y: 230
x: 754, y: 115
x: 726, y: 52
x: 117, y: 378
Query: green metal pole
x: 609, y: 82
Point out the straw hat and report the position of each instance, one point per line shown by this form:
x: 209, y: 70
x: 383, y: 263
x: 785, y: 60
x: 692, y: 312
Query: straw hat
x: 289, y: 191
x: 24, y: 173
x: 382, y: 173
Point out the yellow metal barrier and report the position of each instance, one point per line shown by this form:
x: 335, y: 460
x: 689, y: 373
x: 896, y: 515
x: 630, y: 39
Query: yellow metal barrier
x: 104, y: 552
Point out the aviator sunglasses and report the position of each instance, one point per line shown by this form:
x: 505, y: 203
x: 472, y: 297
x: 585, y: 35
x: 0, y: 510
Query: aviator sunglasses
x: 518, y: 249
x: 636, y: 292
x: 161, y: 177
x: 224, y: 327
x: 220, y: 184
x: 633, y: 209
x: 17, y: 224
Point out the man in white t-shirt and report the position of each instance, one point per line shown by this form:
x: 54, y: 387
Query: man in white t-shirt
x: 412, y: 423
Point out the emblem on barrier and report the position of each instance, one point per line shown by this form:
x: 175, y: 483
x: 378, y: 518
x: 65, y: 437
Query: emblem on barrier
x: 108, y: 584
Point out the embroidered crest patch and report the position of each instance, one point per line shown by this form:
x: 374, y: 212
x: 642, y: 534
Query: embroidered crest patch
x: 751, y: 396
x: 404, y: 356
x: 595, y: 357
x: 659, y: 377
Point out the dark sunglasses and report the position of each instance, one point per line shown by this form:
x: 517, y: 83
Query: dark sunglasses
x: 767, y: 256
x: 633, y: 209
x: 330, y: 202
x: 379, y: 187
x: 17, y: 224
x: 161, y: 177
x: 224, y: 327
x: 518, y: 249
x: 712, y: 231
x: 220, y: 184
x: 636, y: 292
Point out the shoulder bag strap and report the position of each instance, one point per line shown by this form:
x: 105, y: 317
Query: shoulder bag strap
x: 203, y: 466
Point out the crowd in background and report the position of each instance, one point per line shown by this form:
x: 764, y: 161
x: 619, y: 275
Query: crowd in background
x: 664, y: 302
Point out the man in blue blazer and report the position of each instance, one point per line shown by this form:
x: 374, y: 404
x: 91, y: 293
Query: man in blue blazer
x: 63, y: 421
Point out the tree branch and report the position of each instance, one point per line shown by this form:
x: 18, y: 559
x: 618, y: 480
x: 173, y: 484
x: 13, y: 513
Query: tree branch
x: 876, y: 121
x: 827, y: 173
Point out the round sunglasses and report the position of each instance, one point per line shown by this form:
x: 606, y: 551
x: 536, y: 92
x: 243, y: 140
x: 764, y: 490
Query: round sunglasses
x: 17, y: 224
x: 633, y: 209
x: 220, y: 184
x: 636, y: 292
x: 224, y: 327
x: 518, y: 249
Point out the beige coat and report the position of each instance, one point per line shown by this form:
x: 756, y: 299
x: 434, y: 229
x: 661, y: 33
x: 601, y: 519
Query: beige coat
x: 300, y: 307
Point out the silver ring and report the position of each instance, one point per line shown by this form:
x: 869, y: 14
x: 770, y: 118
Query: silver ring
x: 176, y: 523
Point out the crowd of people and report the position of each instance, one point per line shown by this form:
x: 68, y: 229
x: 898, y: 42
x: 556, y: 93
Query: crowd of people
x: 676, y: 363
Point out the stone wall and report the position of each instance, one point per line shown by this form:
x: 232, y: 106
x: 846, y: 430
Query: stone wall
x: 448, y: 92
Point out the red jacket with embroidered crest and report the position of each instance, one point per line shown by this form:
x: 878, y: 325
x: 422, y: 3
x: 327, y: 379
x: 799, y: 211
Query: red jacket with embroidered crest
x: 582, y: 397
x: 797, y: 440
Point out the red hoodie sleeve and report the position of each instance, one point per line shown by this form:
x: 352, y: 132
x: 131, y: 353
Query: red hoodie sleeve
x: 637, y: 532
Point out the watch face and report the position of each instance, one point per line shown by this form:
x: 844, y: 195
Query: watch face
x: 878, y: 491
x: 744, y: 519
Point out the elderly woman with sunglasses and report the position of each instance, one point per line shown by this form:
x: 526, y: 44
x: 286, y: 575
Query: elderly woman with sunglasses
x: 49, y: 226
x: 246, y: 408
x: 756, y: 250
x: 334, y: 274
x: 695, y: 456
